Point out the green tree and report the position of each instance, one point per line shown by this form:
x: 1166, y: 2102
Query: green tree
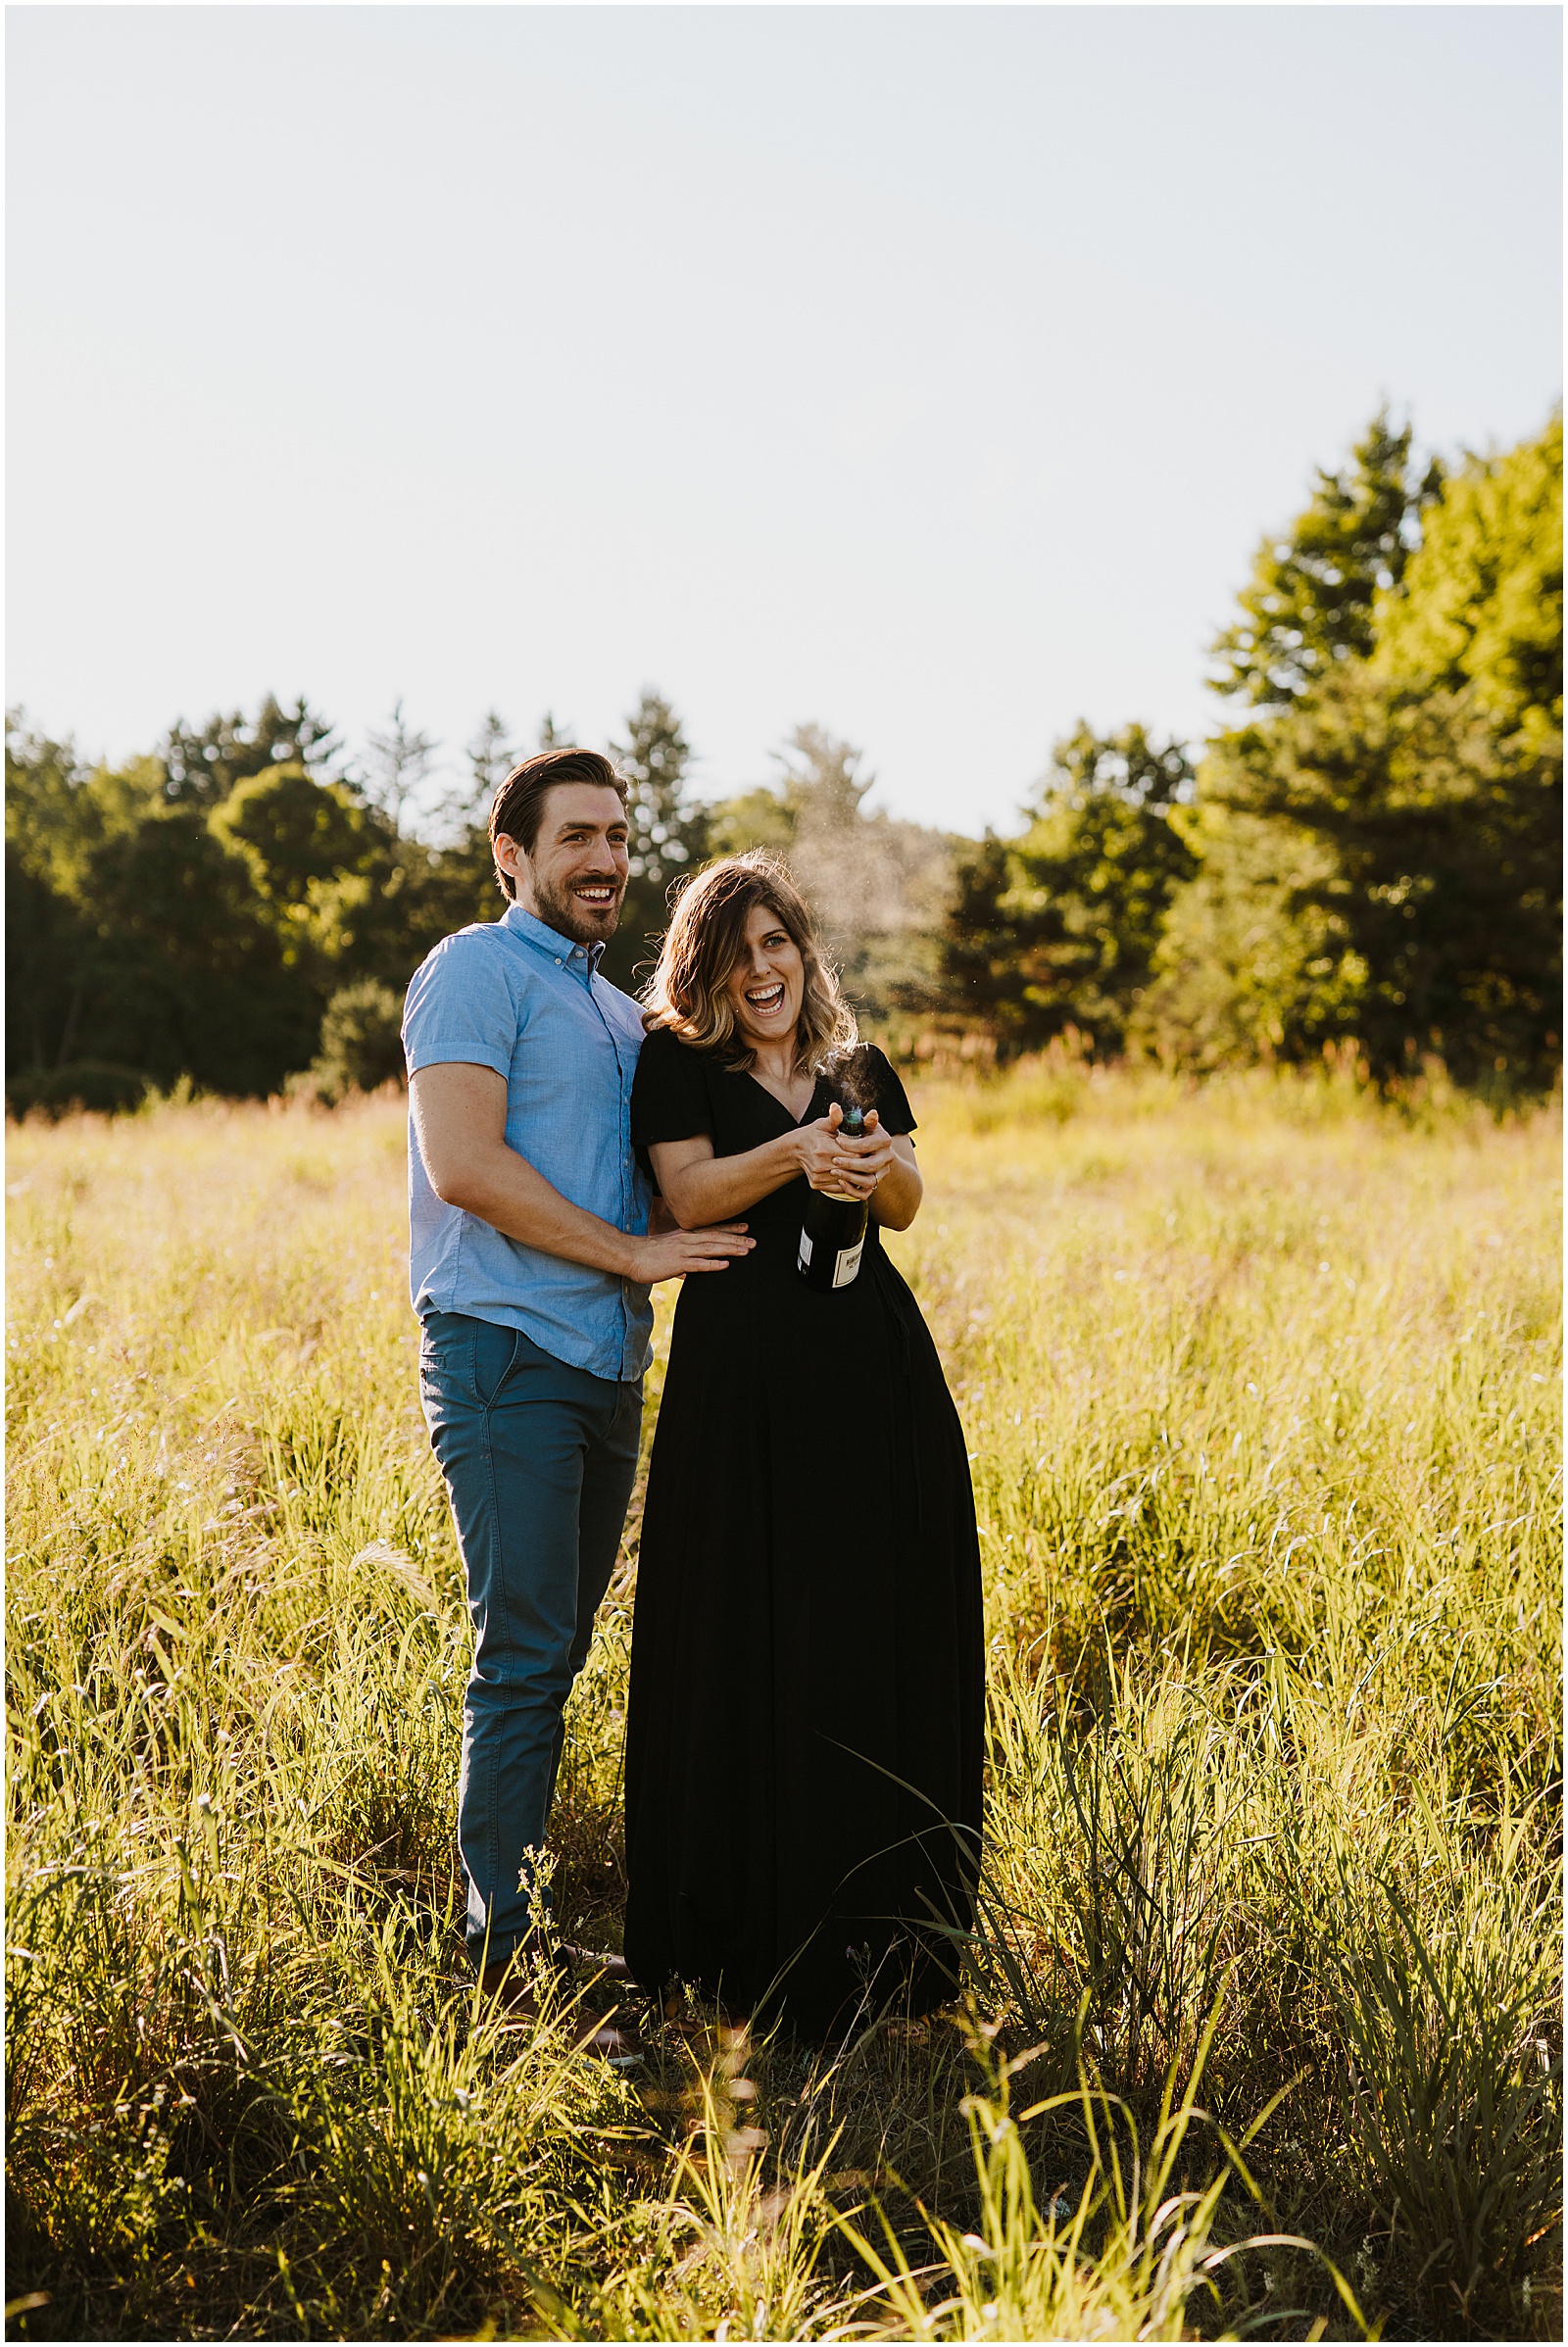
x: 1309, y: 602
x: 1382, y: 857
x: 668, y: 833
x: 167, y: 959
x: 1094, y: 878
x: 203, y: 933
x: 877, y: 886
x: 1482, y: 605
x: 400, y: 765
x: 984, y: 961
x: 758, y: 818
x: 491, y: 757
x: 823, y: 785
x: 46, y: 935
x: 204, y: 766
x: 819, y: 793
x: 295, y: 833
x: 1432, y: 876
x: 1251, y: 964
x: 1060, y: 927
x: 361, y: 1041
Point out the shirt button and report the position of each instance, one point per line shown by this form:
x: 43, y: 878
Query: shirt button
x: 557, y: 961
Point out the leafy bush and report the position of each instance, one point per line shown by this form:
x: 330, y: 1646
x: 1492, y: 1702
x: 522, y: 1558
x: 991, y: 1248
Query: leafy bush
x: 82, y: 1083
x: 362, y: 1041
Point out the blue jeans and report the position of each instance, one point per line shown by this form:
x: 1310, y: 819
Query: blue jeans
x: 538, y: 1459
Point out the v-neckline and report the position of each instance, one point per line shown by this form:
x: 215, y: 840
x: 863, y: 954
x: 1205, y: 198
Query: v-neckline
x: 783, y: 1106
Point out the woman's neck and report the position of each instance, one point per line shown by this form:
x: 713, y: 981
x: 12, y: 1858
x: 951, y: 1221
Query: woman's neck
x: 776, y: 1057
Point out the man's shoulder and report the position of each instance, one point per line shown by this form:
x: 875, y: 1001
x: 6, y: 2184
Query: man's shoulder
x: 481, y: 946
x: 480, y: 937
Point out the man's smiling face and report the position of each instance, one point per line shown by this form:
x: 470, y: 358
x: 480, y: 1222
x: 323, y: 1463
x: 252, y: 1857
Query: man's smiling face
x: 575, y: 878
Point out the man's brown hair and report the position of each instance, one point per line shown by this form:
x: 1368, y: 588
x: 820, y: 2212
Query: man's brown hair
x: 518, y: 808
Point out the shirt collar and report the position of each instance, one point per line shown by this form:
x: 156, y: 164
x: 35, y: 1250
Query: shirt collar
x: 562, y: 950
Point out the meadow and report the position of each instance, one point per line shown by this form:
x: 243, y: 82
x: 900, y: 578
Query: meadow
x: 1263, y: 2034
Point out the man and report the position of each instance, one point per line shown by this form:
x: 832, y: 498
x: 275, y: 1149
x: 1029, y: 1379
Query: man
x: 529, y: 1267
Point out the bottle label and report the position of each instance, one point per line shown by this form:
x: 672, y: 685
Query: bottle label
x: 804, y: 1256
x: 848, y: 1263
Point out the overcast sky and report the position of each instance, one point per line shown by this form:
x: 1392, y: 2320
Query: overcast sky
x: 927, y: 372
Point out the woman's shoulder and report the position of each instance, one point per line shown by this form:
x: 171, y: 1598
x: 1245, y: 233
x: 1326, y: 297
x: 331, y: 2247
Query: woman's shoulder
x: 662, y: 1048
x: 672, y: 1070
x: 867, y: 1064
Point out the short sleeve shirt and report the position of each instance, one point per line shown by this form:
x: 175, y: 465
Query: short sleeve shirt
x: 515, y: 996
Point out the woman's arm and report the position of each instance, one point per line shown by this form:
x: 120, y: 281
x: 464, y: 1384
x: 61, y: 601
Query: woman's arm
x: 700, y: 1189
x: 895, y: 1199
x: 882, y: 1169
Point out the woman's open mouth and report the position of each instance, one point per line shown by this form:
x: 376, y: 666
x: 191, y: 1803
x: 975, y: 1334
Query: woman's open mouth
x: 766, y: 997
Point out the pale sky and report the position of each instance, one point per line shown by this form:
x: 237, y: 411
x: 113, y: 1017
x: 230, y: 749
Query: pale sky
x: 927, y: 372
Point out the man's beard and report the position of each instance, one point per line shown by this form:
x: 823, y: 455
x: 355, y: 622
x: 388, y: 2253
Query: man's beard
x: 561, y: 910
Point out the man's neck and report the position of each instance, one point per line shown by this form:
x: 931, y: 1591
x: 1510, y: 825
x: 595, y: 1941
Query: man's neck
x: 536, y: 913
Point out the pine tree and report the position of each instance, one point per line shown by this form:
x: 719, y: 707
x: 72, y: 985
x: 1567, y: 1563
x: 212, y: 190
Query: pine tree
x: 981, y: 958
x: 824, y: 787
x: 1060, y: 927
x: 1382, y: 857
x: 400, y: 765
x: 668, y: 832
x: 491, y: 760
x: 202, y: 767
x: 1309, y: 604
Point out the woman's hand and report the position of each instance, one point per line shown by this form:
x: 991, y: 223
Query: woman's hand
x: 858, y: 1166
x: 821, y: 1156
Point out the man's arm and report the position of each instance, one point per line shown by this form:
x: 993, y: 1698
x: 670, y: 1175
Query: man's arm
x: 460, y: 1120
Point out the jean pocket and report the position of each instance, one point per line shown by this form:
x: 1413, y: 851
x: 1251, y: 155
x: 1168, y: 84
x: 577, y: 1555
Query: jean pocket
x: 495, y: 1353
x: 463, y: 1362
x: 446, y: 1372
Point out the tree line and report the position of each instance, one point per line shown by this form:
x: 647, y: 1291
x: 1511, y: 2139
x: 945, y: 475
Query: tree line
x: 243, y: 908
x: 1366, y: 849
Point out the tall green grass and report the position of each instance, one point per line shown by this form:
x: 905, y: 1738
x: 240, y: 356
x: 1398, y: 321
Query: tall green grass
x: 1264, y: 2030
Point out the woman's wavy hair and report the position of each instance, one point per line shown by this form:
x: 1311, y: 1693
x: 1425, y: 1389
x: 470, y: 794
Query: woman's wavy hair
x: 702, y: 944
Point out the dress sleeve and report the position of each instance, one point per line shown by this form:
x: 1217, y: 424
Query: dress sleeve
x: 891, y: 1101
x: 668, y: 1094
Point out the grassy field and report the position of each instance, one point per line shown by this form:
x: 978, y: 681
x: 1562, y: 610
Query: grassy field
x: 1265, y: 2033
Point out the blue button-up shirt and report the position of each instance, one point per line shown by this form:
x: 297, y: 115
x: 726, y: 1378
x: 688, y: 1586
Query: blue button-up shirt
x: 515, y: 996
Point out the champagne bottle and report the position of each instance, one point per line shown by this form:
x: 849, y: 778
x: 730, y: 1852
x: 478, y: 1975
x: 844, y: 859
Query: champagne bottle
x: 833, y: 1234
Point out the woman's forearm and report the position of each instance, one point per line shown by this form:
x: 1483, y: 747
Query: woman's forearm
x: 895, y: 1199
x: 715, y: 1188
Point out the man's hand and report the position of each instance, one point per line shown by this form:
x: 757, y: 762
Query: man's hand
x: 459, y: 1117
x: 673, y: 1254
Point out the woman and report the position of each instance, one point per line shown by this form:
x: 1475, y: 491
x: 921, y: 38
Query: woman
x: 805, y: 1736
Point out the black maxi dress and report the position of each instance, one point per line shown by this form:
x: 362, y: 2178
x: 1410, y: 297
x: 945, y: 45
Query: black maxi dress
x: 804, y: 1731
